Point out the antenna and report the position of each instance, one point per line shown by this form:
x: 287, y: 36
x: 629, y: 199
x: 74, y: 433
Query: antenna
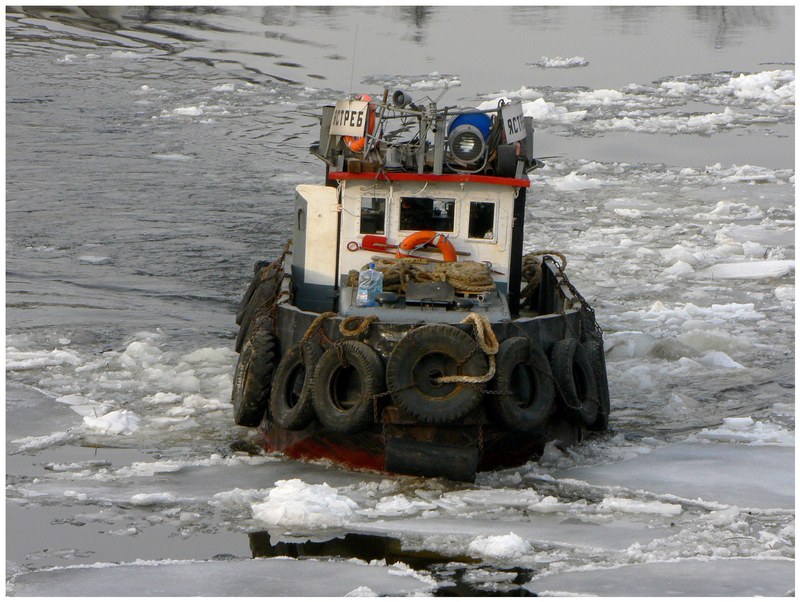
x: 353, y: 62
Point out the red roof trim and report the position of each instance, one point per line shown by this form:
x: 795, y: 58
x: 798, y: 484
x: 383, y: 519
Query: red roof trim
x: 391, y: 176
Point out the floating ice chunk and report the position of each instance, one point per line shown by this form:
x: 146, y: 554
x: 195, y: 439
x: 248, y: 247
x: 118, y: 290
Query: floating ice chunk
x: 679, y: 88
x: 126, y: 54
x: 188, y: 111
x: 754, y: 249
x: 31, y: 360
x: 614, y: 504
x: 628, y: 212
x: 42, y: 442
x: 80, y: 496
x: 152, y: 499
x: 508, y: 547
x: 679, y: 405
x: 361, y: 592
x: 224, y: 88
x: 785, y: 293
x: 628, y: 344
x: 398, y: 505
x: 598, y: 97
x: 678, y: 269
x: 746, y: 430
x: 768, y: 86
x: 721, y: 518
x: 541, y: 110
x: 558, y: 62
x: 140, y: 353
x: 679, y: 253
x: 713, y: 339
x: 720, y: 359
x: 574, y: 182
x: 750, y: 270
x: 118, y: 422
x: 171, y: 157
x: 94, y: 259
x: 295, y: 503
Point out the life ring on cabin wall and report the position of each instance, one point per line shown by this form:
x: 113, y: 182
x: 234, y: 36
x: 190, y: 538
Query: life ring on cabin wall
x: 356, y: 144
x: 423, y: 237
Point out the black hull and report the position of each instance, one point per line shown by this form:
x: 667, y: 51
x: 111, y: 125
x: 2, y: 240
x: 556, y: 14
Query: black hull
x: 397, y: 442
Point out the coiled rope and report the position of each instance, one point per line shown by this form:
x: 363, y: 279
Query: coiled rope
x: 464, y: 276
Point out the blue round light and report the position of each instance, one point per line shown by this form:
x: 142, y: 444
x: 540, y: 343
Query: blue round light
x: 481, y: 121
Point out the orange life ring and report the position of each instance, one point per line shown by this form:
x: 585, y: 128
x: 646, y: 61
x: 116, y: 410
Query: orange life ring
x: 356, y: 144
x: 418, y: 239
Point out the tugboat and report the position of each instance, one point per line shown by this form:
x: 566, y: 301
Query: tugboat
x: 404, y: 328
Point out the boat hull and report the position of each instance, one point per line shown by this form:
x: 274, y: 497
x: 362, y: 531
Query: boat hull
x: 396, y: 442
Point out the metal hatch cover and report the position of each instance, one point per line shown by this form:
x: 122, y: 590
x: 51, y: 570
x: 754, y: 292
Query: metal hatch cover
x: 431, y: 293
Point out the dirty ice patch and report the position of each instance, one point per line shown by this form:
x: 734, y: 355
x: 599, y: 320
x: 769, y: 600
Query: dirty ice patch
x: 748, y: 431
x: 504, y: 547
x: 293, y: 503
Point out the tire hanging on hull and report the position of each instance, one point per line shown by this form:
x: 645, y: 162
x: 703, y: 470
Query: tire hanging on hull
x: 594, y: 350
x: 346, y: 380
x: 290, y: 403
x: 524, y: 382
x: 573, y: 372
x: 252, y: 379
x: 423, y: 356
x: 264, y: 291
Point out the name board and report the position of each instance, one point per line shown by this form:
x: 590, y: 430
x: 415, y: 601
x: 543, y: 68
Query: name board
x: 349, y: 118
x: 513, y: 122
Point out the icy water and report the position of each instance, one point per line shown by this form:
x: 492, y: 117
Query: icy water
x: 152, y: 155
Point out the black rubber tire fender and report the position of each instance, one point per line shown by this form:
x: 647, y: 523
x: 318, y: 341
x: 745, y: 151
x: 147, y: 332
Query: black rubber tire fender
x: 574, y: 375
x: 525, y: 384
x: 252, y: 378
x: 248, y: 294
x: 596, y: 352
x: 290, y: 402
x: 265, y: 293
x: 346, y: 379
x: 423, y: 355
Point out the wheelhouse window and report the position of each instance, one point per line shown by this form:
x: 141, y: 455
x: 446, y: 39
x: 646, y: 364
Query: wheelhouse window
x: 373, y: 215
x: 481, y: 220
x: 427, y: 213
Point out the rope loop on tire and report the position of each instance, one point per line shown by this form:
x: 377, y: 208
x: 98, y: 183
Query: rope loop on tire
x: 487, y: 341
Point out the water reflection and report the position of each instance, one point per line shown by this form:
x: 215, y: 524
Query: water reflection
x: 728, y: 21
x: 453, y: 572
